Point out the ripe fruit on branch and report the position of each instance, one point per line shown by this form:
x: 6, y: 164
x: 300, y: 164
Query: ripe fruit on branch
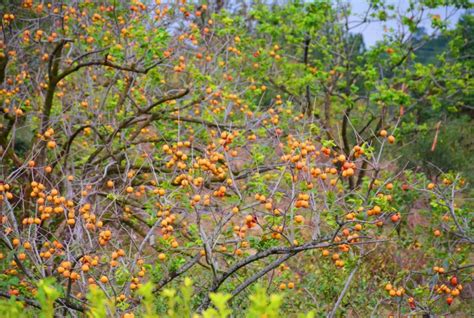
x: 395, y: 218
x: 449, y: 301
x: 453, y: 281
x: 51, y: 144
x: 299, y: 219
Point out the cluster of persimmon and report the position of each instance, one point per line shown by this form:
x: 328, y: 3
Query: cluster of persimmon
x: 383, y: 195
x: 267, y: 202
x: 209, y: 164
x: 141, y: 191
x: 411, y: 303
x: 234, y: 49
x: 299, y: 152
x: 252, y: 137
x: 278, y: 100
x: 137, y: 6
x: 298, y: 117
x: 348, y: 169
x: 318, y: 173
x: 302, y: 201
x: 383, y: 133
x: 358, y: 151
x: 227, y: 138
x: 335, y: 257
x: 439, y: 270
x: 5, y: 194
x: 276, y: 231
x: 183, y: 180
x: 351, y: 237
x: 206, y: 198
x: 178, y: 156
x: 47, y: 204
x: 88, y: 262
x: 304, y: 148
x: 24, y: 286
x: 274, y: 119
x: 167, y: 225
x: 447, y: 181
x: 393, y: 291
x: 289, y: 285
x: 452, y: 292
x: 238, y: 251
x: 250, y: 222
x: 46, y: 252
x: 220, y: 192
x: 65, y: 270
x: 12, y: 291
x: 12, y: 270
x: 48, y: 136
x: 115, y: 256
x: 89, y: 218
x: 376, y: 210
x: 8, y: 17
x: 216, y: 105
x: 181, y: 67
x: 104, y: 237
x: 241, y: 231
x: 9, y: 95
x: 135, y: 281
x: 214, y: 164
x: 274, y: 53
x: 343, y: 248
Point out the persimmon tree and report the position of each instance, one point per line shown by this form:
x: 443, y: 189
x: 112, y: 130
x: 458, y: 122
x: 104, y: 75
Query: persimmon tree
x: 142, y: 143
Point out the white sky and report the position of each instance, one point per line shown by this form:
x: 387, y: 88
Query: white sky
x: 374, y: 31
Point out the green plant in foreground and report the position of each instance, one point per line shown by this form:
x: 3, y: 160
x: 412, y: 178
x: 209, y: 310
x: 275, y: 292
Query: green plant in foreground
x: 178, y: 304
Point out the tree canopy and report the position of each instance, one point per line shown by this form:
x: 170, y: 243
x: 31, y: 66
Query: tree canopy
x: 236, y: 159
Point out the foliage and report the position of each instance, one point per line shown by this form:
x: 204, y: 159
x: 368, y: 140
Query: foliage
x: 262, y: 150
